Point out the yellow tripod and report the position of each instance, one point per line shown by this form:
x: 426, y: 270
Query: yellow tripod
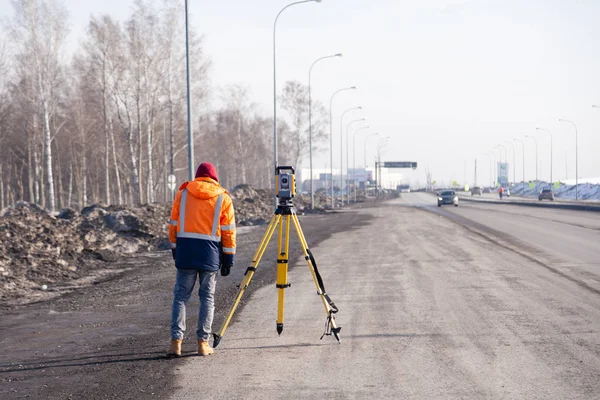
x: 285, y: 215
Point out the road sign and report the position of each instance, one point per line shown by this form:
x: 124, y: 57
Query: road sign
x: 400, y: 164
x: 171, y: 182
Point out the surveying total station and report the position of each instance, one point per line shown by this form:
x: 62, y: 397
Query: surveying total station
x: 284, y: 216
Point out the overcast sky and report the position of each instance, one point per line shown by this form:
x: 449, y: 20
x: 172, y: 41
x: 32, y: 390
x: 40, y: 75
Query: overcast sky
x: 446, y: 80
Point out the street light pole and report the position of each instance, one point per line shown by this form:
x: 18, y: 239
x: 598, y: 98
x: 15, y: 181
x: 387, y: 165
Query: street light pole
x: 312, y: 193
x: 551, y: 152
x: 342, y: 152
x: 189, y: 99
x: 331, y: 135
x: 171, y: 164
x: 275, y: 82
x: 576, y: 157
x: 166, y: 177
x: 354, y: 160
x: 523, y: 147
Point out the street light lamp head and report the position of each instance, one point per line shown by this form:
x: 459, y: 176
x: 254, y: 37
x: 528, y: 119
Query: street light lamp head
x: 352, y: 87
x: 317, y: 1
x: 339, y: 55
x: 595, y: 106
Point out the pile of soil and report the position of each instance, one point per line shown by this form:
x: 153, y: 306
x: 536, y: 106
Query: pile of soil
x: 42, y: 254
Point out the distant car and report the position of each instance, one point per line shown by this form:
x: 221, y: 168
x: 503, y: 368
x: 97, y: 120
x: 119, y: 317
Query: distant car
x: 476, y: 190
x: 447, y: 197
x: 546, y: 194
x: 487, y: 190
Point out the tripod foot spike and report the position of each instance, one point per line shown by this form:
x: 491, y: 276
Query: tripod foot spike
x: 336, y: 332
x: 279, y: 328
x: 217, y: 340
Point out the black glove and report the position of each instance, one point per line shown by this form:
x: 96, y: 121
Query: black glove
x: 225, y: 269
x: 173, y: 252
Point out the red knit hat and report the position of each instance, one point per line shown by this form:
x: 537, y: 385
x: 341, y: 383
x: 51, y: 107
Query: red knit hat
x: 207, y: 170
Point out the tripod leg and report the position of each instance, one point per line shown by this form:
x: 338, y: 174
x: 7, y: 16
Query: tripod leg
x: 330, y: 307
x: 282, y: 269
x: 275, y: 220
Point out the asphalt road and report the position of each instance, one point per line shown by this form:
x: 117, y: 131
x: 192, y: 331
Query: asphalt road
x: 469, y: 302
x: 429, y: 308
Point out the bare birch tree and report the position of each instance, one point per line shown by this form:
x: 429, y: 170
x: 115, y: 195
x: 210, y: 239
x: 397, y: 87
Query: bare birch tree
x: 102, y: 36
x: 40, y: 29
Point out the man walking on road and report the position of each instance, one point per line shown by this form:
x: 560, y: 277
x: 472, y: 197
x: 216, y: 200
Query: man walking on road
x: 202, y: 236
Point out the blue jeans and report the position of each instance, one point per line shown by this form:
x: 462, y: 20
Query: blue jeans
x: 184, y: 285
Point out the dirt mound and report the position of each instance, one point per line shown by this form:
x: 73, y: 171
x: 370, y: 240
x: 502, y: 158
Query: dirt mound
x: 40, y: 251
x: 252, y: 206
x: 37, y: 248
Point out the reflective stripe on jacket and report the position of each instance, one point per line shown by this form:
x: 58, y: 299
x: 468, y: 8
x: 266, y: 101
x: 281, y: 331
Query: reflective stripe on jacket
x: 202, y: 226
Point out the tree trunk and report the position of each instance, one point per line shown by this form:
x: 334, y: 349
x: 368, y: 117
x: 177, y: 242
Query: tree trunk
x: 139, y: 149
x: 84, y: 188
x: 134, y: 169
x: 19, y: 181
x: 70, y: 194
x: 106, y: 138
x: 149, y: 180
x: 59, y: 182
x: 48, y: 154
x: 36, y: 176
x: 116, y: 165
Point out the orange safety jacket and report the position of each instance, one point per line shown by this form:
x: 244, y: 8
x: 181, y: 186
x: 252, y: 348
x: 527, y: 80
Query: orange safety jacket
x: 202, y: 226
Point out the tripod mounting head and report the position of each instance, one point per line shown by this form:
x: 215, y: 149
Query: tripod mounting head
x: 285, y: 183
